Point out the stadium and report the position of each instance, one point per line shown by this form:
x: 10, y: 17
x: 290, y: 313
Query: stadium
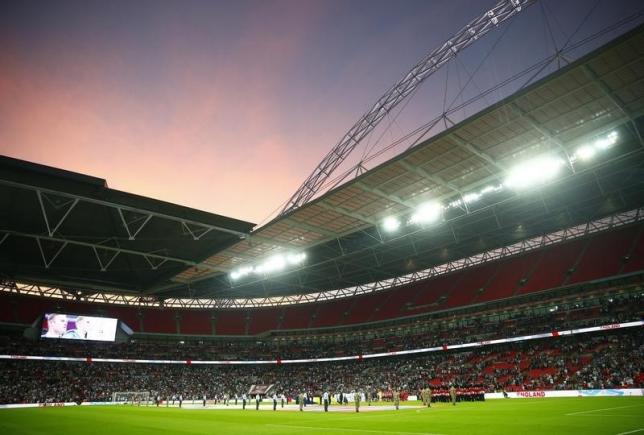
x: 480, y: 273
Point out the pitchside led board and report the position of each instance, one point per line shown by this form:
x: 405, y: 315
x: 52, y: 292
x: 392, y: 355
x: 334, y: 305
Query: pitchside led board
x: 78, y: 327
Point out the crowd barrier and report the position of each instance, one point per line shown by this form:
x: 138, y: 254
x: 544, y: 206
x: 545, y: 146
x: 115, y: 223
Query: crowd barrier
x: 53, y: 404
x: 537, y: 394
x: 544, y: 394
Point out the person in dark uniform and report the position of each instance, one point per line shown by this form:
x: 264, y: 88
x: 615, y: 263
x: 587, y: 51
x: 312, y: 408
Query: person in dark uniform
x: 325, y: 401
x: 244, y: 401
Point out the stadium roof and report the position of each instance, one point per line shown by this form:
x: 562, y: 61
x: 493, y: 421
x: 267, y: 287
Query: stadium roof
x: 600, y: 94
x: 68, y: 229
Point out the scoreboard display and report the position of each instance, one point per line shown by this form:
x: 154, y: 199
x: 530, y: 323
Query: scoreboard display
x: 78, y: 327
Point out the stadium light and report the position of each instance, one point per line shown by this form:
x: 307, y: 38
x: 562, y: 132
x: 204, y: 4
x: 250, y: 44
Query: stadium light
x: 585, y: 152
x: 472, y: 197
x: 391, y: 224
x: 606, y: 142
x: 295, y: 259
x: 534, y: 172
x: 588, y: 151
x: 427, y: 213
x: 272, y: 264
x: 241, y: 272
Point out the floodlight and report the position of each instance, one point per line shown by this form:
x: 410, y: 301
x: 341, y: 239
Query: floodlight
x: 426, y: 213
x: 296, y: 258
x: 276, y: 262
x: 471, y: 197
x: 390, y: 224
x: 586, y: 152
x: 534, y: 172
x: 241, y: 272
x: 606, y: 142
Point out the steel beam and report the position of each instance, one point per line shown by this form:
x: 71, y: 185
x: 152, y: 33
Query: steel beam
x: 108, y: 248
x: 466, y: 145
x: 48, y: 262
x: 119, y: 206
x: 606, y: 90
x: 345, y: 212
x: 385, y: 195
x: 530, y: 119
x: 433, y: 178
x: 308, y: 227
x: 71, y: 204
x: 133, y: 232
x: 427, y: 66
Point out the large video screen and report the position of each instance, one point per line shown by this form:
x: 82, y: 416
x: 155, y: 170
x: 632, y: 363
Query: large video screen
x: 78, y: 327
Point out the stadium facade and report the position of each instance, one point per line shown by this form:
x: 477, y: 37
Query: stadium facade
x: 418, y: 261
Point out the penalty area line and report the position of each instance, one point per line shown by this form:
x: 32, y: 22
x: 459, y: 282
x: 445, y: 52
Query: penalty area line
x: 350, y: 429
x: 631, y: 431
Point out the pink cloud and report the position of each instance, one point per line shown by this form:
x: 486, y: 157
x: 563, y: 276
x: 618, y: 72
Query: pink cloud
x: 214, y: 139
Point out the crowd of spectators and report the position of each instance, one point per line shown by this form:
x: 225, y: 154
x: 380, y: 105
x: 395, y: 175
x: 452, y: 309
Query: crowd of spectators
x: 468, y: 329
x: 600, y: 360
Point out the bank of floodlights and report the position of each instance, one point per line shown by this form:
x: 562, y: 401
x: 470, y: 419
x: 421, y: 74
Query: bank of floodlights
x: 391, y: 224
x: 588, y: 151
x: 273, y: 264
x: 427, y: 213
x: 531, y: 173
x: 534, y: 172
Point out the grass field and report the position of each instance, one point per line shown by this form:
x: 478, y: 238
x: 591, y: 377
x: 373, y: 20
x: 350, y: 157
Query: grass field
x: 522, y: 417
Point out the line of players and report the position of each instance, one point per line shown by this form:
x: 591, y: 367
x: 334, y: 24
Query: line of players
x: 357, y: 396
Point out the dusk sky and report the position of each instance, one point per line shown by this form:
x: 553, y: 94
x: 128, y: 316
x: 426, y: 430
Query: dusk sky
x: 228, y: 106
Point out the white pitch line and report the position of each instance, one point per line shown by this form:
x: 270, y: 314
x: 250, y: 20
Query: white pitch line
x: 613, y: 415
x: 350, y: 430
x: 602, y: 409
x: 631, y: 431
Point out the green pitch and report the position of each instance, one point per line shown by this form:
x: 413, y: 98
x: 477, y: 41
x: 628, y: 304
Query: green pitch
x: 520, y: 417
